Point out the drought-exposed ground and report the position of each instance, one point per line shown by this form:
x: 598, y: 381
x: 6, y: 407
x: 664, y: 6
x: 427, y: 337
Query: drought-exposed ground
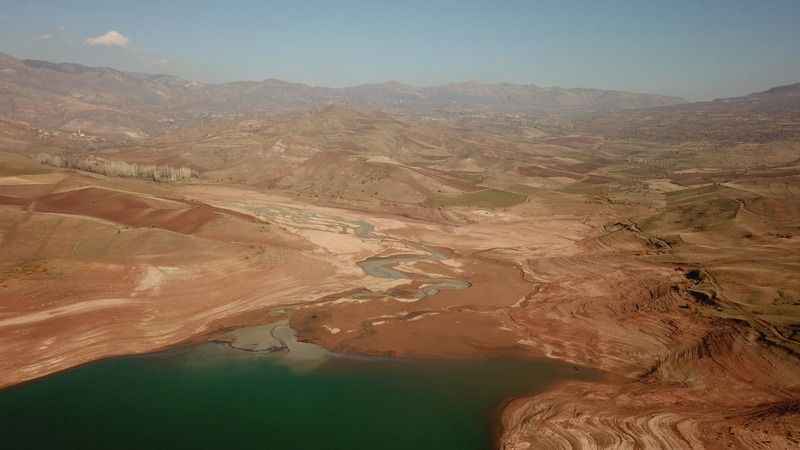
x: 671, y: 265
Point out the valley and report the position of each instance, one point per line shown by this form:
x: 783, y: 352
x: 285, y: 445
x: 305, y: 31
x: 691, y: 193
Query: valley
x: 666, y: 266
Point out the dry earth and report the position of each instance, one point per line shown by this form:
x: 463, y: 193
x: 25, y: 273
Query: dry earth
x: 670, y: 268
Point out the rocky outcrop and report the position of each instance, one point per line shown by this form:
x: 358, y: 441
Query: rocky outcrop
x: 692, y: 367
x: 603, y: 416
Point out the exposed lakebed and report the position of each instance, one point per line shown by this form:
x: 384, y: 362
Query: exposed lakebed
x: 214, y: 396
x: 377, y: 266
x: 259, y: 388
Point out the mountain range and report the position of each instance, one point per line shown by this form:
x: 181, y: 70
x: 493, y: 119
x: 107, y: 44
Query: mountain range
x: 770, y: 115
x: 108, y: 101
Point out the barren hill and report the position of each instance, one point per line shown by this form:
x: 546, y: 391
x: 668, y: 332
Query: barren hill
x: 770, y: 115
x: 670, y: 266
x: 108, y: 101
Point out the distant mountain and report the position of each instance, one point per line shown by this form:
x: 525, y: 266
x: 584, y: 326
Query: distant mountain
x: 770, y: 115
x: 778, y: 99
x: 497, y: 97
x: 72, y: 96
x: 104, y: 100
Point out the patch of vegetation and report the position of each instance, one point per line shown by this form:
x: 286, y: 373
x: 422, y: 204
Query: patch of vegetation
x: 487, y: 198
x: 115, y: 168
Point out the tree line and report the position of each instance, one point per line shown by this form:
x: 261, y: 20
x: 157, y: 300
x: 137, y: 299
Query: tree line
x: 113, y: 168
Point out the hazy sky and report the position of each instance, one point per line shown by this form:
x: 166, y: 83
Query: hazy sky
x: 692, y: 48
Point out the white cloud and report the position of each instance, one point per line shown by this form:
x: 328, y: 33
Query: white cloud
x: 110, y: 39
x: 43, y: 37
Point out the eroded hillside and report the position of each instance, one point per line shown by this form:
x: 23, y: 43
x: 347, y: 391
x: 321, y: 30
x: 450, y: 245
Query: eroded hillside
x: 669, y: 266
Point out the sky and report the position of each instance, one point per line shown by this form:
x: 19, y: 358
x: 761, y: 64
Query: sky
x: 696, y: 49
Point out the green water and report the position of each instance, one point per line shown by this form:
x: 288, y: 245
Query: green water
x: 212, y: 397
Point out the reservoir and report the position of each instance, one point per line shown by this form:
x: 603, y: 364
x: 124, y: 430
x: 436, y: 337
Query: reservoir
x: 212, y: 396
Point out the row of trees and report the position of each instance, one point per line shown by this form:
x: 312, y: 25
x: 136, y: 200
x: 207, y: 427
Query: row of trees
x: 114, y: 168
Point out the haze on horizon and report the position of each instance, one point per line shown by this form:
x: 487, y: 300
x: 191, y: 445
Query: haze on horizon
x: 682, y: 48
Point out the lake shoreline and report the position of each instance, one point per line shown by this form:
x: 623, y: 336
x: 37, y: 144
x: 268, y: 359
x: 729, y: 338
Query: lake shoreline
x: 346, y: 363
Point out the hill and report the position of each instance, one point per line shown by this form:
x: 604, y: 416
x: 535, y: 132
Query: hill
x: 106, y: 101
x: 766, y: 116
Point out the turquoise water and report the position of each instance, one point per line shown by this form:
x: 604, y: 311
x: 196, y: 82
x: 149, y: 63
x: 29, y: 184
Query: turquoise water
x: 212, y: 397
